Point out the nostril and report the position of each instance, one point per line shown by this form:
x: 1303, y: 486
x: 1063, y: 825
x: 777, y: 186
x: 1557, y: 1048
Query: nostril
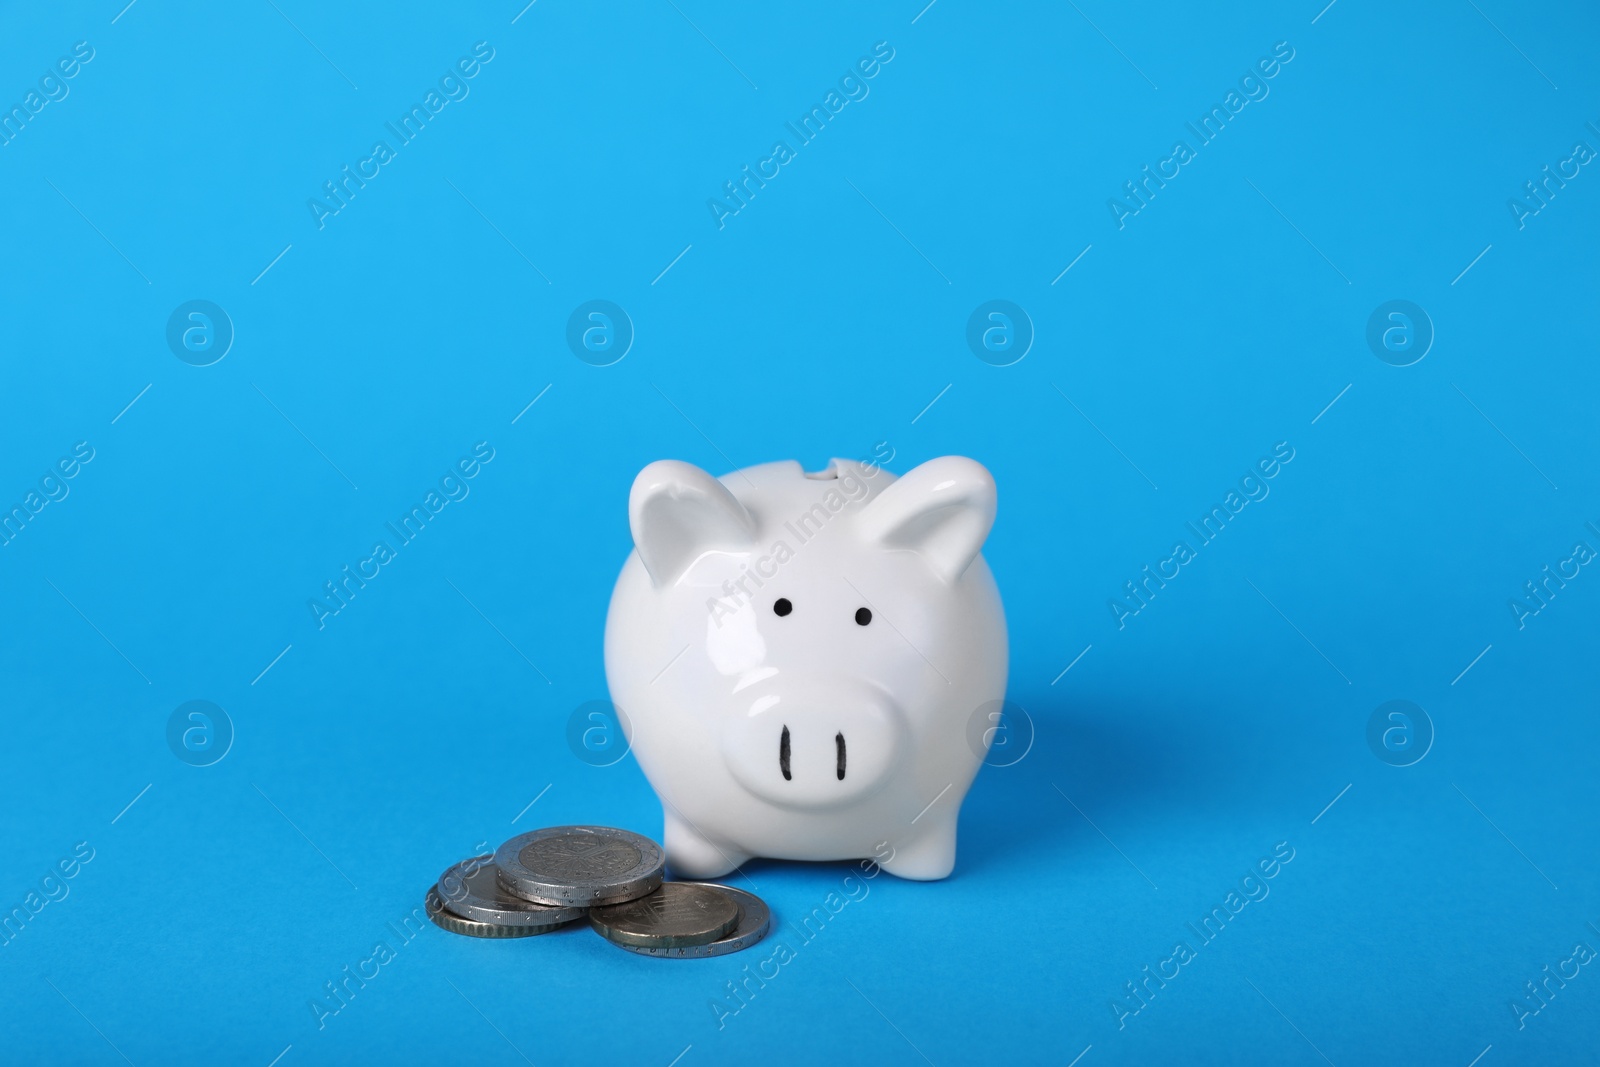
x: 783, y: 756
x: 838, y: 741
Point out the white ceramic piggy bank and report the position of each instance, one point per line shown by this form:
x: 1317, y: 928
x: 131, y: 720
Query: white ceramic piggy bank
x: 801, y: 655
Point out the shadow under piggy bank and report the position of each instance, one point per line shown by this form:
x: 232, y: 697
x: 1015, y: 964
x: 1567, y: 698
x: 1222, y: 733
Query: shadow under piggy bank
x: 1090, y: 771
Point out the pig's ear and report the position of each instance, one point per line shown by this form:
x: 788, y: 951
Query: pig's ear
x: 678, y: 513
x: 941, y: 510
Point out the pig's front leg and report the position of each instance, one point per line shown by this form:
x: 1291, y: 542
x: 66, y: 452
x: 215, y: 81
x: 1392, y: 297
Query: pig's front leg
x: 692, y: 855
x: 928, y: 854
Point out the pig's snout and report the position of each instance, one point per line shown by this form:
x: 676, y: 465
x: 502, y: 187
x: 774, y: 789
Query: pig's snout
x: 814, y: 749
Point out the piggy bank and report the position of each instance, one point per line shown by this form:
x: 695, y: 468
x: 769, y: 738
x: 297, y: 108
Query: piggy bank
x: 800, y: 656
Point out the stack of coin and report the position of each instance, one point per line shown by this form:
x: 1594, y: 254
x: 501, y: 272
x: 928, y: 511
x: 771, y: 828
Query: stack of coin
x: 545, y: 879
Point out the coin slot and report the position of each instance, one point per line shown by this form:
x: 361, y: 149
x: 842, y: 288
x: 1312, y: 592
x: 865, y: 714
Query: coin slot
x: 783, y: 756
x: 838, y: 741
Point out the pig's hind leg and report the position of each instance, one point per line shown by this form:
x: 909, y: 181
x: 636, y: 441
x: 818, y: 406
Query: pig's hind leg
x: 691, y: 855
x: 928, y: 856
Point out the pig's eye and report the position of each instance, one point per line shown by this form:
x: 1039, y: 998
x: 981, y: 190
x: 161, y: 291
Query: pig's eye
x: 863, y: 616
x: 782, y: 606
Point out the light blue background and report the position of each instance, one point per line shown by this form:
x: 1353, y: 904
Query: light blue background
x: 823, y: 318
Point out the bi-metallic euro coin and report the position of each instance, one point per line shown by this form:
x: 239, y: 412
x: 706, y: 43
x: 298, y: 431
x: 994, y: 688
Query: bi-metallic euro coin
x: 580, y: 865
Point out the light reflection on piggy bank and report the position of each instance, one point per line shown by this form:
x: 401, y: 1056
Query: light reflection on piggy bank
x: 800, y: 655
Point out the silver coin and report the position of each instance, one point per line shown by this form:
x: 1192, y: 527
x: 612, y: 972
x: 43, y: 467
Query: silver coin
x: 678, y: 915
x: 446, y: 919
x: 754, y: 921
x: 471, y: 890
x: 580, y: 865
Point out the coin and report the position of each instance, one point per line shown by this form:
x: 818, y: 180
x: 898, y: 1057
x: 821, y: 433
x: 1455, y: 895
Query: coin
x: 446, y: 919
x: 579, y: 865
x: 679, y: 914
x: 754, y: 922
x: 471, y: 890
